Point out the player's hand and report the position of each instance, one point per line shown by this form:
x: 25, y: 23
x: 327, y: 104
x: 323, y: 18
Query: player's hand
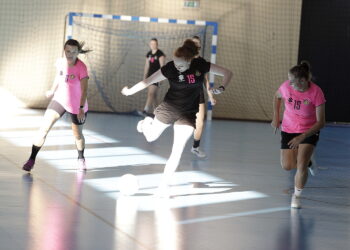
x: 294, y: 143
x: 275, y: 124
x: 217, y: 91
x: 212, y: 101
x: 49, y: 93
x: 126, y: 91
x: 81, y: 116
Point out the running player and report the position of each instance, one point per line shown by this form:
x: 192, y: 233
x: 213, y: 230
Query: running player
x: 155, y: 59
x: 180, y: 103
x: 69, y: 92
x: 201, y: 113
x: 303, y: 117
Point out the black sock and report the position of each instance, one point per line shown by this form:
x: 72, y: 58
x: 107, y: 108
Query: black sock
x: 196, y: 143
x: 81, y: 154
x: 35, y: 151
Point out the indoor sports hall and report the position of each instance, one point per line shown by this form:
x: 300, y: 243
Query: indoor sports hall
x: 86, y: 178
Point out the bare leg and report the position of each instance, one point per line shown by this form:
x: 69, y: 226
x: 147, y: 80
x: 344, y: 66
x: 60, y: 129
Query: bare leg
x: 304, y: 155
x: 297, y: 158
x: 79, y: 137
x: 80, y: 144
x: 289, y: 158
x: 151, y: 101
x: 181, y: 135
x: 50, y: 119
x: 199, y: 122
x: 198, y: 132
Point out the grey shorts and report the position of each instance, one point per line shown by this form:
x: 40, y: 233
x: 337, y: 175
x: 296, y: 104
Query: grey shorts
x: 170, y: 115
x: 60, y: 110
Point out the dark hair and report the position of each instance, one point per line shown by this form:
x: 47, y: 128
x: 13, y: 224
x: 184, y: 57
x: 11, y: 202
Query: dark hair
x: 154, y: 39
x: 80, y: 45
x: 196, y: 37
x: 301, y: 70
x: 187, y: 51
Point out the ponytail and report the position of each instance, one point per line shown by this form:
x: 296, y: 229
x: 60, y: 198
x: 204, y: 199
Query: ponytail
x: 187, y: 51
x: 301, y: 70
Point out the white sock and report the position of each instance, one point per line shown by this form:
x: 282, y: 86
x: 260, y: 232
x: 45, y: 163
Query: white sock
x: 297, y: 191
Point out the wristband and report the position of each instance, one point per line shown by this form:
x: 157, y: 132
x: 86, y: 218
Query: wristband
x: 81, y: 107
x: 222, y: 87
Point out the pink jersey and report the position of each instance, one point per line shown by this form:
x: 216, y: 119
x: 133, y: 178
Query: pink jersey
x: 300, y: 107
x: 68, y: 92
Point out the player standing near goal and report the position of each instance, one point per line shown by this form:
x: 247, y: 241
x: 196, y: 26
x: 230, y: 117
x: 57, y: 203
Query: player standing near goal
x: 201, y: 112
x: 180, y: 104
x: 155, y: 59
x: 69, y: 92
x: 303, y: 117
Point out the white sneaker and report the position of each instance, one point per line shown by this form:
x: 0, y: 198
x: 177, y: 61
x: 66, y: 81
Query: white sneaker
x: 82, y: 165
x: 139, y: 126
x: 313, y: 168
x: 199, y: 153
x: 295, y: 202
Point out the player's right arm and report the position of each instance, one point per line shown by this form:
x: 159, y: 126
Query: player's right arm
x: 277, y: 100
x: 54, y: 86
x: 210, y: 94
x: 145, y: 71
x: 156, y: 77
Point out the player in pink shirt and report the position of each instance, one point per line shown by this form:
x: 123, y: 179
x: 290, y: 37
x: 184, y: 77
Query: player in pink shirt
x: 69, y: 92
x: 303, y: 117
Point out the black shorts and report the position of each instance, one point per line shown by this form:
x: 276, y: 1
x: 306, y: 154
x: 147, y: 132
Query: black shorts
x: 170, y: 115
x: 54, y: 105
x: 287, y: 137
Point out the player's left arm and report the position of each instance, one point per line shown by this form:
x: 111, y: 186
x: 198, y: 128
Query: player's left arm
x: 320, y: 123
x: 155, y: 77
x: 221, y: 71
x: 84, y: 88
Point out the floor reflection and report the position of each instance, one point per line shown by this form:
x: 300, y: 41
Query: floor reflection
x: 52, y: 221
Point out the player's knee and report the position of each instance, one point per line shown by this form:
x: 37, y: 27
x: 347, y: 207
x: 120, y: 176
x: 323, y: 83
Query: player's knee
x: 78, y: 137
x: 287, y: 166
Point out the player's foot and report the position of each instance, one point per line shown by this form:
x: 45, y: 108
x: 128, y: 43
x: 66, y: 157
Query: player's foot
x: 139, y: 126
x: 313, y: 168
x: 29, y: 165
x: 82, y: 165
x: 145, y: 122
x: 295, y: 202
x: 199, y: 153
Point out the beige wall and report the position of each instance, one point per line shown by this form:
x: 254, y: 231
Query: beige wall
x: 258, y: 41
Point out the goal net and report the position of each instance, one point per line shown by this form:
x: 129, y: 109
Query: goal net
x: 119, y: 45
